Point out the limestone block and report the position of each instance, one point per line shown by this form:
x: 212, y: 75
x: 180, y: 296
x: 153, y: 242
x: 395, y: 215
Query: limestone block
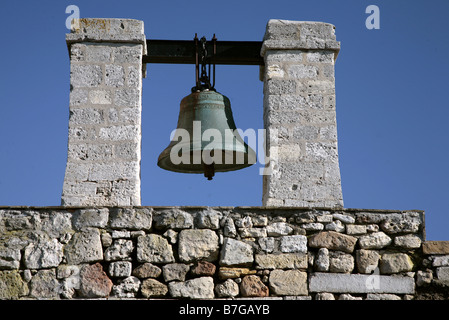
x: 253, y: 232
x: 44, y: 285
x: 106, y: 30
x: 85, y: 75
x: 106, y: 239
x: 84, y: 218
x: 199, y: 288
x: 280, y: 87
x: 354, y: 229
x: 175, y: 272
x: 367, y: 260
x: 120, y: 133
x: 236, y: 253
x: 395, y: 263
x: 382, y: 296
x: 227, y: 273
x: 132, y: 219
x: 120, y: 269
x: 127, y: 151
x: 435, y: 247
x: 43, y: 254
x: 147, y: 270
x: 288, y: 282
x: 267, y: 244
x: 84, y: 247
x: 343, y: 218
x: 424, y: 277
x: 128, y: 54
x: 244, y: 222
x: 173, y: 219
x: 296, y: 243
x: 409, y: 241
x: 229, y: 229
x: 305, y: 217
x: 94, y: 52
x: 127, y: 97
x: 9, y: 258
x: 121, y: 234
x: 229, y: 288
x: 320, y: 56
x: 281, y: 261
x: 313, y: 226
x: 86, y: 116
x: 279, y: 229
x: 12, y: 286
x: 443, y: 274
x: 208, y: 218
x: 70, y: 276
x: 401, y: 224
x: 126, y: 288
x: 114, y: 75
x: 154, y: 248
x: 322, y: 261
x: 151, y: 288
x: 340, y: 262
x: 324, y: 296
x: 333, y: 240
x: 358, y: 283
x: 294, y: 35
x: 171, y: 235
x: 440, y: 261
x: 302, y: 71
x: 336, y: 226
x: 134, y: 78
x: 197, y: 244
x: 376, y: 240
x: 325, y: 218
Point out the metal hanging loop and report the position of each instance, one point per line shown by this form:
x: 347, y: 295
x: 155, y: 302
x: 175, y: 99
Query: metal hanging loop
x: 202, y: 79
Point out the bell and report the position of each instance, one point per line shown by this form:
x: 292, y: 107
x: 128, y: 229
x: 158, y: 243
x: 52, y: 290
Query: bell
x: 206, y: 140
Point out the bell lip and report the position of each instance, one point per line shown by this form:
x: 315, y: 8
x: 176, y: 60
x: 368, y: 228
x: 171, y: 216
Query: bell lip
x: 165, y: 163
x: 233, y: 168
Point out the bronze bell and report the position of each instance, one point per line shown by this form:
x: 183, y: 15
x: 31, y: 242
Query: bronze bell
x: 206, y: 140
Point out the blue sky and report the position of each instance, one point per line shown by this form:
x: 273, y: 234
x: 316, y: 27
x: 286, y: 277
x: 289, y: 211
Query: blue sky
x: 391, y: 93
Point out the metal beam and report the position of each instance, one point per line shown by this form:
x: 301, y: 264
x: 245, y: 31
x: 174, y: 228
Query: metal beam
x: 183, y: 52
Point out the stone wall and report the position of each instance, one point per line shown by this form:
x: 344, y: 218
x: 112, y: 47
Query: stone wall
x: 218, y: 252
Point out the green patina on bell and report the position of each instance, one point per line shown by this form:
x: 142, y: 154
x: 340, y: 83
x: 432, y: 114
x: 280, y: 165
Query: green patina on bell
x: 206, y: 140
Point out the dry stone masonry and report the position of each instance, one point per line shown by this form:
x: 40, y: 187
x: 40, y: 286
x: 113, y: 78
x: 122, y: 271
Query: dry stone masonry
x: 218, y: 252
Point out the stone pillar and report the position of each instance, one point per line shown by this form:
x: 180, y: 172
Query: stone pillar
x: 104, y: 145
x: 299, y: 115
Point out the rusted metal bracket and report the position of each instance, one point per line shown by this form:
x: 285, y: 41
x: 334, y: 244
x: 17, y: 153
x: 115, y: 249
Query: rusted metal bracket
x: 183, y: 52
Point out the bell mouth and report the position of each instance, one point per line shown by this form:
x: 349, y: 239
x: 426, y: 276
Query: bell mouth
x: 203, y: 116
x: 195, y: 161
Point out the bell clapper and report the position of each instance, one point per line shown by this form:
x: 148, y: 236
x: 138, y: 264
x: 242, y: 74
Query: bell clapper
x: 209, y: 170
